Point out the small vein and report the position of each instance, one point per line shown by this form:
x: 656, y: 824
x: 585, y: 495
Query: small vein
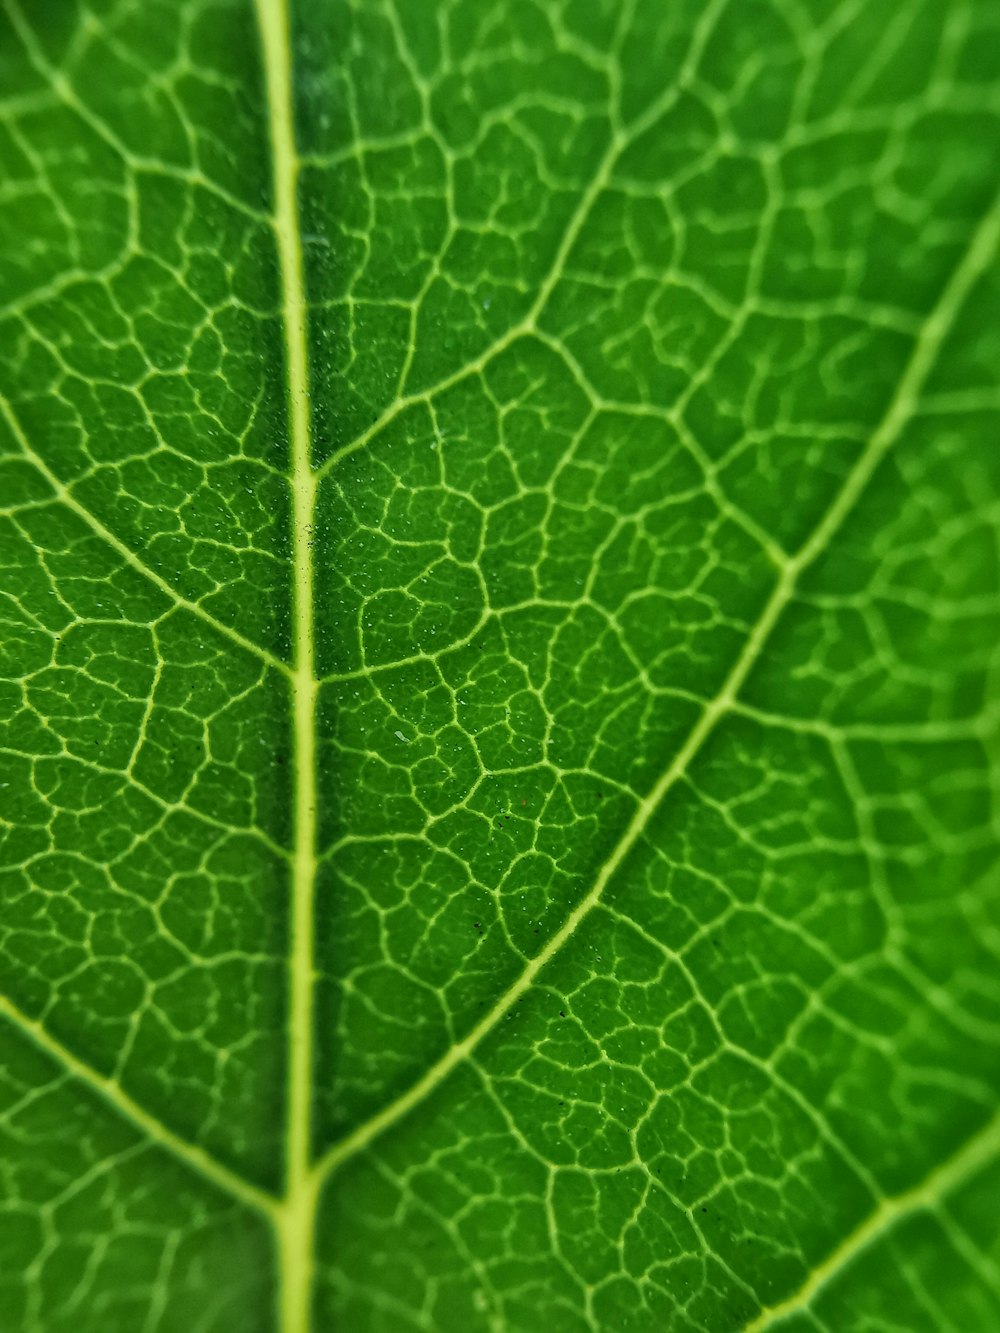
x: 527, y: 325
x: 66, y: 95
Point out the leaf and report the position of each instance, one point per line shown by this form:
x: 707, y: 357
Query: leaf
x: 498, y: 691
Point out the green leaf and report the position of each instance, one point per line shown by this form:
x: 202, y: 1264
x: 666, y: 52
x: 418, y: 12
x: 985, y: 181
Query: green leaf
x: 498, y: 519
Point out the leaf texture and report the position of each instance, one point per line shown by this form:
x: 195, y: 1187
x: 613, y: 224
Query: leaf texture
x: 498, y: 519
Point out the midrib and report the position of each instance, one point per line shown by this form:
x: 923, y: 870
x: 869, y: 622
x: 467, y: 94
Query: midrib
x: 296, y: 1213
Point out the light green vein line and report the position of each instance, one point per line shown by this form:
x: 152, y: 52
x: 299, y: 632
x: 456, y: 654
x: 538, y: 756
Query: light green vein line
x: 132, y: 783
x: 66, y: 497
x: 903, y: 404
x: 296, y: 1217
x: 113, y: 1094
x: 981, y: 1149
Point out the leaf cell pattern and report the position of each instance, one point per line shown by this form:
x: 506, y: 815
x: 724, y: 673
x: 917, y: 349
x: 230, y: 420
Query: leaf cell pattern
x: 498, y: 517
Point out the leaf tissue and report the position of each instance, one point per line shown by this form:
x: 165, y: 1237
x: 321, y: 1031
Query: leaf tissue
x: 498, y: 666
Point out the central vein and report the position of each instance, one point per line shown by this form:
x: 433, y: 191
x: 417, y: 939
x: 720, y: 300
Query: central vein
x: 296, y: 1214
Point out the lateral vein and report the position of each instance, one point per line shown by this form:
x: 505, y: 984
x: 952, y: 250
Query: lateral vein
x: 975, y: 1154
x: 111, y: 1092
x: 65, y: 496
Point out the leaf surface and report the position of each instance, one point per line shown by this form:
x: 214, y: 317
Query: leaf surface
x: 498, y: 517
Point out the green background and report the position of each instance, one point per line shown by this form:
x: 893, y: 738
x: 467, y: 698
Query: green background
x: 654, y: 399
